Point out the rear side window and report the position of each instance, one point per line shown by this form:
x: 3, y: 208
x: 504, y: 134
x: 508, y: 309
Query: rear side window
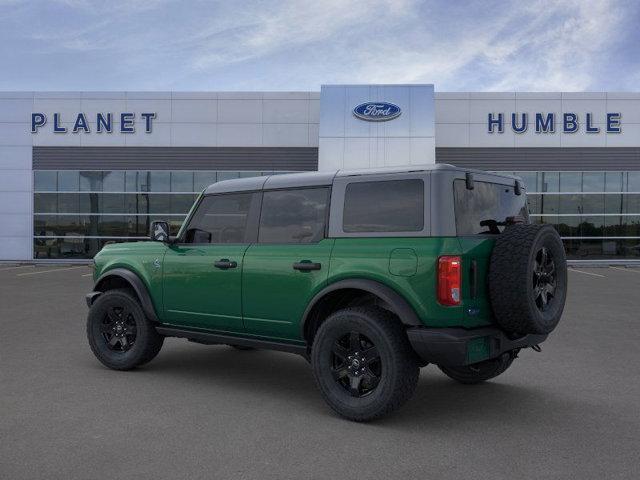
x: 485, y: 208
x: 293, y: 216
x: 384, y: 206
x: 221, y: 219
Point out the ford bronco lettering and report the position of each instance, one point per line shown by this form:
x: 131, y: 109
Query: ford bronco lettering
x: 370, y: 275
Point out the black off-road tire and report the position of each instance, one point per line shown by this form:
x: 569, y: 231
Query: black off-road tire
x: 479, y: 372
x: 396, y: 369
x: 146, y: 343
x: 516, y: 276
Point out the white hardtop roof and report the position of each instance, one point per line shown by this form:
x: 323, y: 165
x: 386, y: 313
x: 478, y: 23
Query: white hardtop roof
x: 311, y: 179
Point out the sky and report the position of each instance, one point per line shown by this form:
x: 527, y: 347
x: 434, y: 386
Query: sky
x: 185, y: 45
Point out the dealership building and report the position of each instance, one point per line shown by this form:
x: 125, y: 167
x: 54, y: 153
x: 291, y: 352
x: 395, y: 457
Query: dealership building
x: 79, y: 169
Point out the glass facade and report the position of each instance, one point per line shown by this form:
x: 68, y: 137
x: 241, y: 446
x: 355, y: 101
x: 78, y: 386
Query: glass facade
x: 77, y: 212
x: 596, y: 213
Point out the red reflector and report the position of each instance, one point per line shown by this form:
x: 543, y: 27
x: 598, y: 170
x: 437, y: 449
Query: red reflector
x: 449, y: 280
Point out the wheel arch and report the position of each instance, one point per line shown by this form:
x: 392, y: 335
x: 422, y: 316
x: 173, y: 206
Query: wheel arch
x: 391, y: 299
x: 119, y: 277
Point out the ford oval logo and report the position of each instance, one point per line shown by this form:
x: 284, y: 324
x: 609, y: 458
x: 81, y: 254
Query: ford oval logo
x: 377, y: 111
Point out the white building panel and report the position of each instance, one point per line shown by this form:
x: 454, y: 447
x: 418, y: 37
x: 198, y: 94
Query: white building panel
x: 597, y: 107
x: 15, y: 134
x: 285, y: 111
x: 330, y: 153
x: 531, y: 138
x: 148, y: 95
x: 102, y: 139
x: 160, y: 137
x: 15, y: 158
x: 452, y: 135
x: 630, y: 109
x: 193, y: 135
x: 239, y: 135
x: 629, y: 137
x: 286, y: 95
x: 370, y: 143
x: 16, y: 225
x: 530, y: 106
x: 16, y: 110
x: 45, y: 136
x: 314, y: 111
x: 67, y: 108
x: 285, y: 135
x: 313, y: 134
x: 92, y: 106
x: 16, y: 248
x: 583, y: 139
x: 15, y: 203
x: 194, y: 111
x: 423, y: 150
x: 479, y: 109
x: 162, y: 109
x: 452, y: 111
x: 239, y: 111
x: 478, y: 137
x: 15, y: 181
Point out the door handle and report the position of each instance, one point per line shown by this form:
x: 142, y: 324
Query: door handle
x: 306, y: 265
x: 225, y: 264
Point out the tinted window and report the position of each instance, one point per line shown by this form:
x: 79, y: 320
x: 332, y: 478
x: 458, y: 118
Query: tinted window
x: 293, y: 216
x: 478, y: 209
x: 220, y: 219
x: 388, y: 206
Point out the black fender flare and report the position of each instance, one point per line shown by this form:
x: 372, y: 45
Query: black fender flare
x: 135, y: 282
x: 399, y: 305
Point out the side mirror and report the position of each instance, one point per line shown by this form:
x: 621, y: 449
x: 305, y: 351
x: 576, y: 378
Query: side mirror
x: 160, y: 231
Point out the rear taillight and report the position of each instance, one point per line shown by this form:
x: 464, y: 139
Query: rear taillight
x: 449, y: 280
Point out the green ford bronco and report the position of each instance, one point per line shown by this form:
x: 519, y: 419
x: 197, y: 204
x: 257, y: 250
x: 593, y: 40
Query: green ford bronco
x: 369, y: 275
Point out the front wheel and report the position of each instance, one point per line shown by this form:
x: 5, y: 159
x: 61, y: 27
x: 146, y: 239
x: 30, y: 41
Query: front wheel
x: 119, y: 333
x: 480, y: 372
x: 363, y: 363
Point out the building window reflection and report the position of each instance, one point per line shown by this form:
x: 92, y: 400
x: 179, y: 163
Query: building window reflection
x: 77, y: 212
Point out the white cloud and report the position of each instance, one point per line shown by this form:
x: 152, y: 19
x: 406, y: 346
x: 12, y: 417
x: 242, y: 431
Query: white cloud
x: 296, y: 44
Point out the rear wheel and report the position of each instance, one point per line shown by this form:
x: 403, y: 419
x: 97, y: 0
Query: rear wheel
x: 480, y: 372
x: 528, y: 279
x: 363, y: 363
x: 119, y: 333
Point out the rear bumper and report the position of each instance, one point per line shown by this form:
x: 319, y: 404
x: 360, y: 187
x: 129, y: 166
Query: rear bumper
x: 452, y: 347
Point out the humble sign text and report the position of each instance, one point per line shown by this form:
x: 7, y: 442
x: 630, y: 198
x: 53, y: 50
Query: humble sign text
x: 551, y: 122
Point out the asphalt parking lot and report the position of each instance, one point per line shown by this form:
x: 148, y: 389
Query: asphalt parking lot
x: 572, y: 411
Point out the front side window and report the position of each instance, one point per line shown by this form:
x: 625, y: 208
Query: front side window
x: 220, y: 219
x: 384, y: 206
x: 486, y: 208
x: 293, y: 216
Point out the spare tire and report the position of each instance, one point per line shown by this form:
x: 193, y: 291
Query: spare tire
x: 528, y: 279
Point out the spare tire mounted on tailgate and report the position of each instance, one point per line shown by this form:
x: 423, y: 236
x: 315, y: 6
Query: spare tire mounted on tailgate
x: 528, y: 279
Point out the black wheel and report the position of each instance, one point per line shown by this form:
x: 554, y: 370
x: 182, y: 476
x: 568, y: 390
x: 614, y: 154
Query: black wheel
x: 479, y: 372
x: 363, y: 364
x: 119, y: 333
x: 528, y: 279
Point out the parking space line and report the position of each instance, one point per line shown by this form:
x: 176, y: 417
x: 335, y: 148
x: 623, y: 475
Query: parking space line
x: 88, y: 275
x: 14, y: 268
x: 49, y: 271
x: 587, y: 273
x: 632, y: 270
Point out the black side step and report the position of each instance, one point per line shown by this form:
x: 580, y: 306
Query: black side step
x: 216, y: 338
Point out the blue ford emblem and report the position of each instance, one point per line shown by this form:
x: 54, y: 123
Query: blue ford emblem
x: 377, y: 111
